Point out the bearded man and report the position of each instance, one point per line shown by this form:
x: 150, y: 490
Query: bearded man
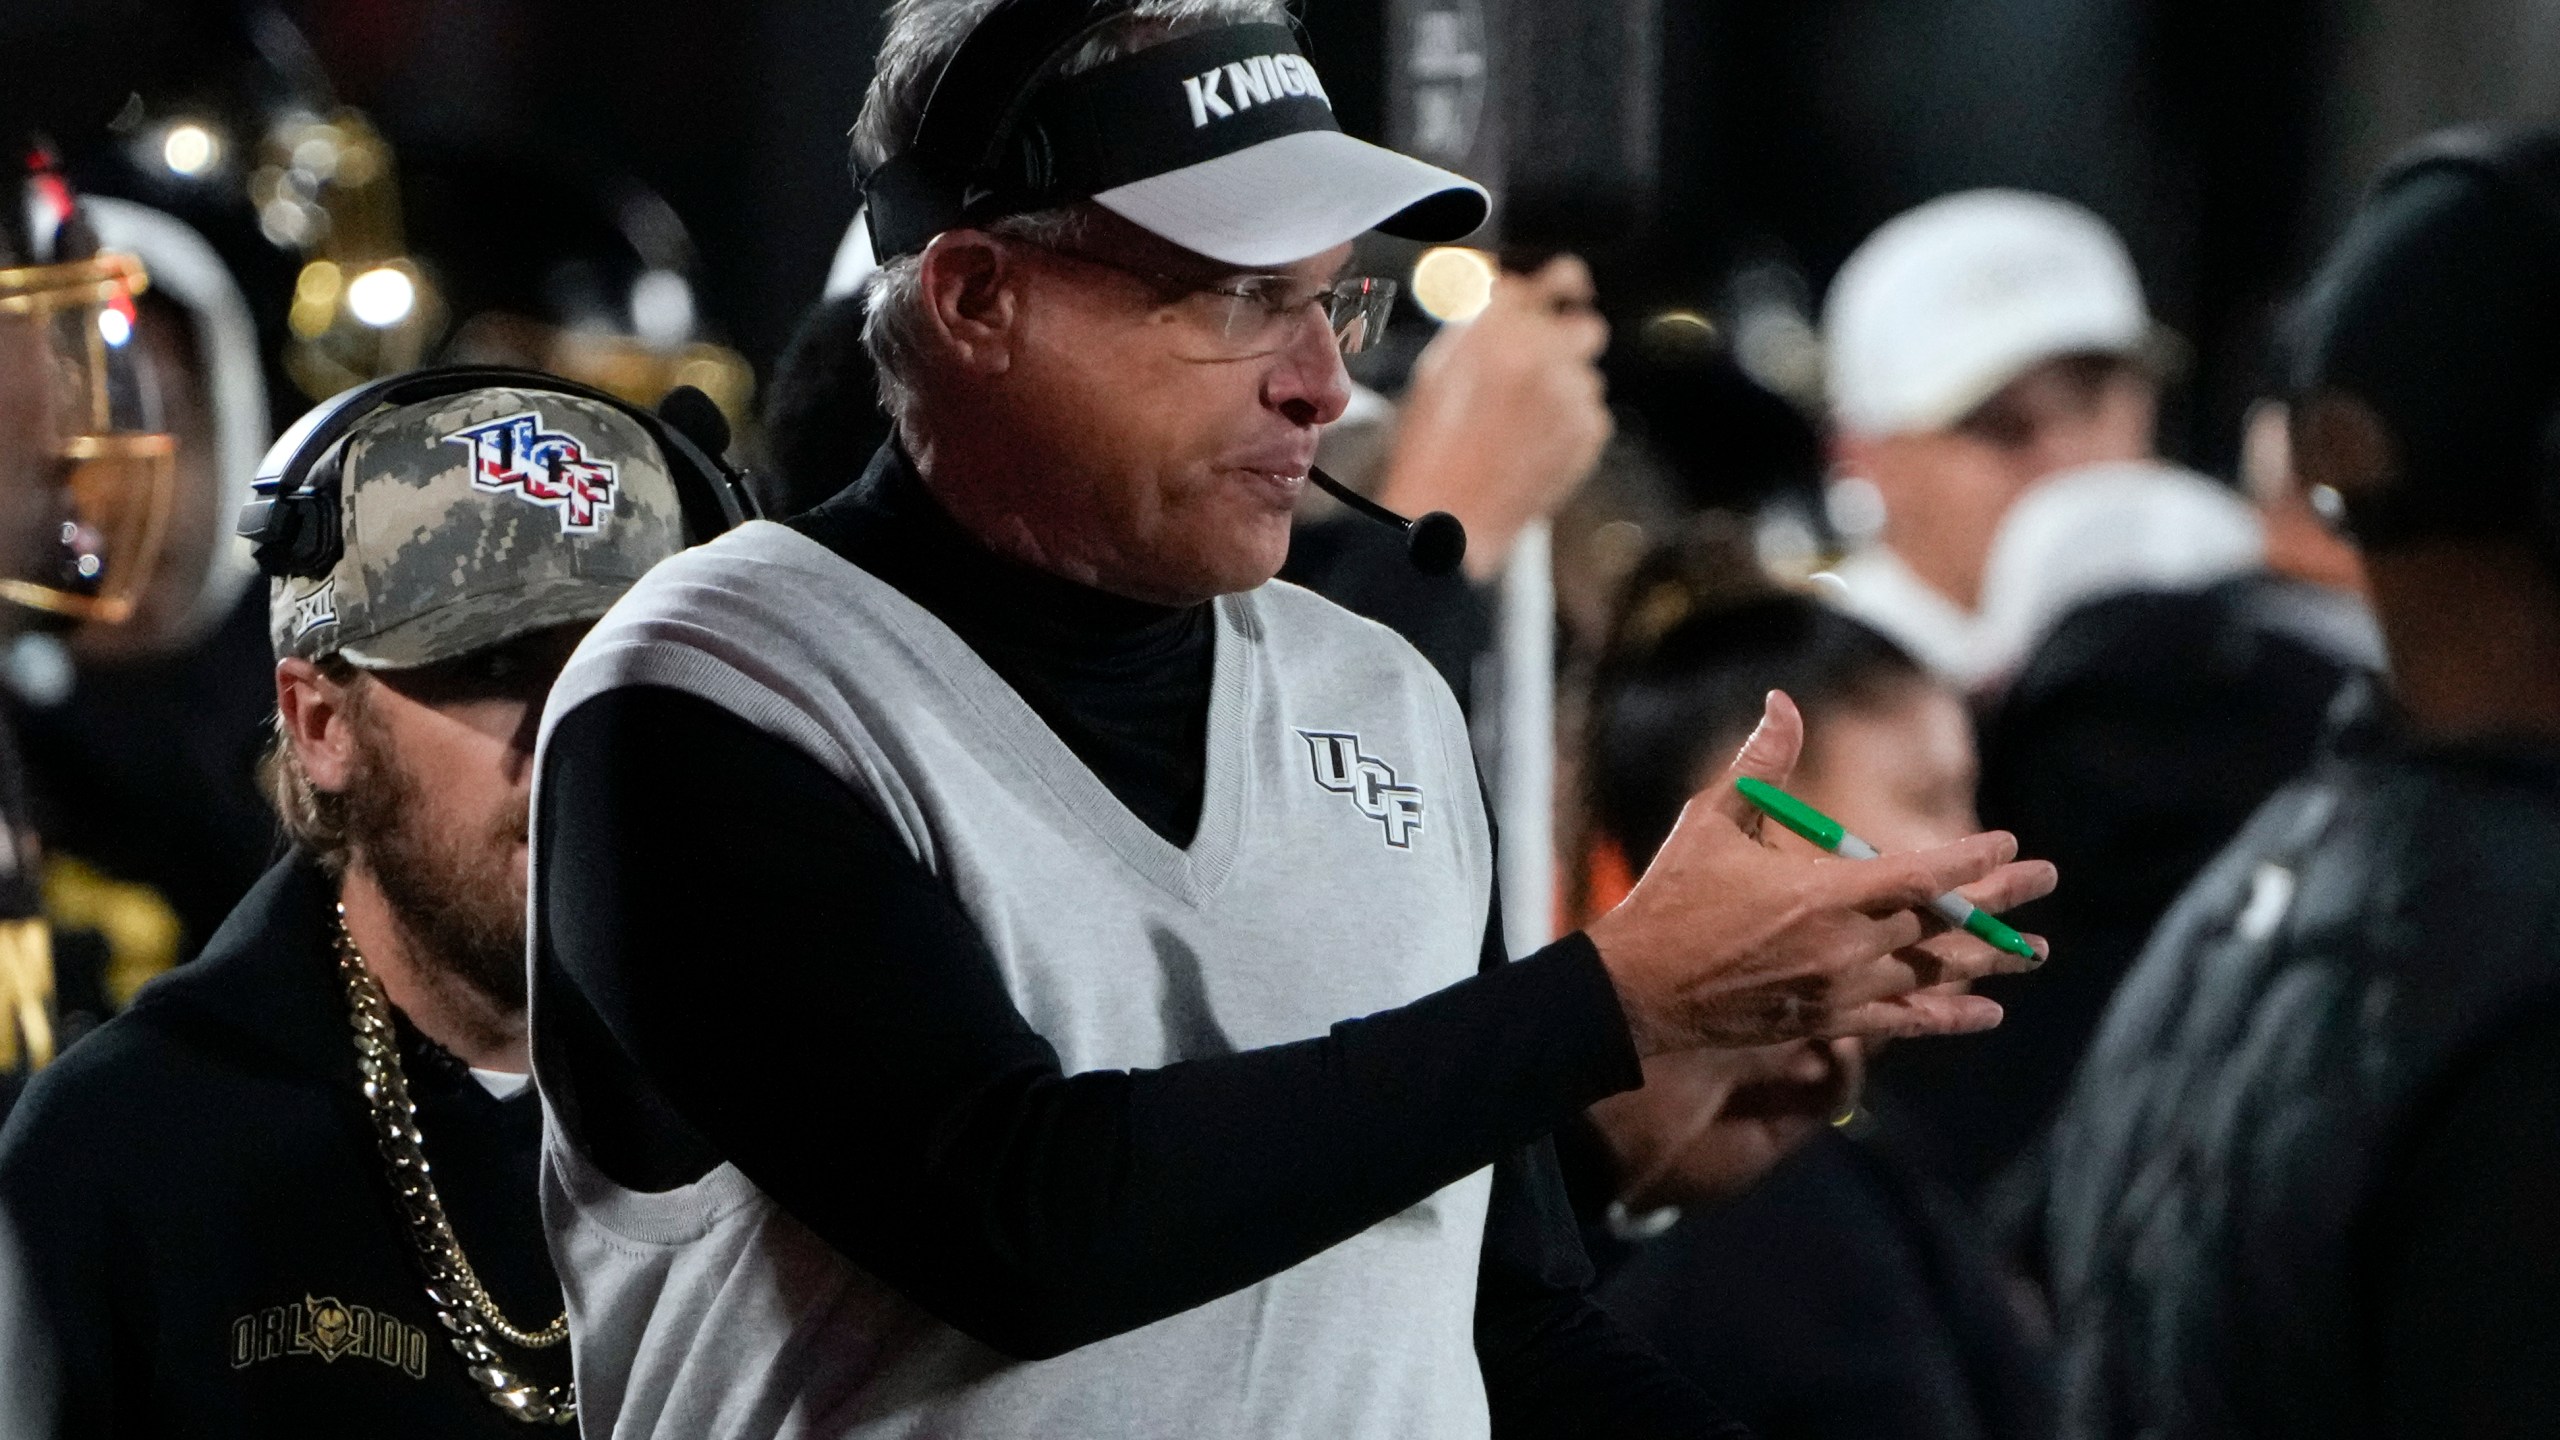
x: 222, y: 1205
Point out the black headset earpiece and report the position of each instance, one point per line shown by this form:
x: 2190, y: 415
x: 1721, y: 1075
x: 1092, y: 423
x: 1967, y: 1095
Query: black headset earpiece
x: 692, y: 432
x: 293, y: 518
x: 971, y: 119
x: 998, y: 70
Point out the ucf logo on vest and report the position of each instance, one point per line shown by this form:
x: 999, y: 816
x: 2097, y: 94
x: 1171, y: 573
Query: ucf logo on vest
x: 1255, y: 81
x: 1369, y: 782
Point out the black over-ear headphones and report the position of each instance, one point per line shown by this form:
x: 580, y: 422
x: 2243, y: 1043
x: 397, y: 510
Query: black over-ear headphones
x: 969, y: 158
x: 2524, y: 165
x: 294, y: 521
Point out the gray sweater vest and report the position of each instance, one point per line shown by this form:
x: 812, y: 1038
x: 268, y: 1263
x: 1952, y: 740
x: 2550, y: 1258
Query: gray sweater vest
x: 1342, y: 866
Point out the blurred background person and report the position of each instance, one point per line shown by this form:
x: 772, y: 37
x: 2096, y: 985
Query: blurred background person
x: 141, y: 739
x: 822, y: 419
x: 1503, y: 420
x: 2137, y: 737
x: 2302, y: 1186
x: 1749, y: 1219
x: 2146, y: 675
x: 1979, y: 347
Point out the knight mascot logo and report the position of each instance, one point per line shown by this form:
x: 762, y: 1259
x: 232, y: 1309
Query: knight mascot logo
x: 332, y: 1326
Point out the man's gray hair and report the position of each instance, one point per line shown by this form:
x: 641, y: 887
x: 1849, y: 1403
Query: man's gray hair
x: 921, y: 37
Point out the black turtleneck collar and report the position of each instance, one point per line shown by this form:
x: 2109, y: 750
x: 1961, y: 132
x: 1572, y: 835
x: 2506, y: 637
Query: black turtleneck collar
x: 1123, y: 682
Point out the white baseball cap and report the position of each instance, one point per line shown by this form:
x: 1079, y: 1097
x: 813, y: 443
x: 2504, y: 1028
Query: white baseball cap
x: 1951, y: 301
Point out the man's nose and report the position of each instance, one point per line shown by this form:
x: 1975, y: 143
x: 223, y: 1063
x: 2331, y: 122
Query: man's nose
x: 1306, y: 381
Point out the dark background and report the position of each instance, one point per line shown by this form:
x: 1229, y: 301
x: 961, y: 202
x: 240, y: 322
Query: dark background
x: 2223, y: 139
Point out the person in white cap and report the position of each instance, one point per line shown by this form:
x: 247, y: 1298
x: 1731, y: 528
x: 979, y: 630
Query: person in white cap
x: 1976, y: 348
x: 1004, y: 966
x: 2148, y: 669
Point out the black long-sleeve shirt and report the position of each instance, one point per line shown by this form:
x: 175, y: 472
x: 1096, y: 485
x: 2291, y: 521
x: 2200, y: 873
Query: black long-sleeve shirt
x: 1034, y: 1209
x: 186, y: 1190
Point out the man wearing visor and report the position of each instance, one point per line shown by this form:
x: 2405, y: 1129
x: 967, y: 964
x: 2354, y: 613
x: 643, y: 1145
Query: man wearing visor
x: 85, y: 491
x: 952, y: 909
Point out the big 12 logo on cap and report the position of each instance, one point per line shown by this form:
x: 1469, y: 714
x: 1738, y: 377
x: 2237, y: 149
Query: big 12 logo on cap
x: 516, y: 455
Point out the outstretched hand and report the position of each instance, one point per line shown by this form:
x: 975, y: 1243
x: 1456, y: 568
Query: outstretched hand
x: 1727, y: 942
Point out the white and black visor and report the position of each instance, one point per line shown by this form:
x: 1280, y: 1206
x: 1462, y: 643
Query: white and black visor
x: 1222, y: 141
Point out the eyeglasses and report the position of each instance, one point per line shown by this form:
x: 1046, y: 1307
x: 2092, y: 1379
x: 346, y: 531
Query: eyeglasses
x: 1251, y: 314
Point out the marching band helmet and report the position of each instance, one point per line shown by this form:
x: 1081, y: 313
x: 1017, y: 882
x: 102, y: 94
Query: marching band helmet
x: 87, y: 463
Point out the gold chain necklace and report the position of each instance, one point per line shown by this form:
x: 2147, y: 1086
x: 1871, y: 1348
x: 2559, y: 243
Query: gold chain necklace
x: 453, y: 1287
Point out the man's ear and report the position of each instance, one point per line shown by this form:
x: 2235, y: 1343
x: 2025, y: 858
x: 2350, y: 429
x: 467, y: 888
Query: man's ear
x: 972, y: 298
x: 318, y: 720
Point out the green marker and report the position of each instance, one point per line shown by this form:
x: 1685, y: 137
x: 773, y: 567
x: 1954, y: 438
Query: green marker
x: 1828, y: 833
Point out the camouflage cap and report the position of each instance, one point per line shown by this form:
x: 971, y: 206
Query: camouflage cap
x: 476, y: 518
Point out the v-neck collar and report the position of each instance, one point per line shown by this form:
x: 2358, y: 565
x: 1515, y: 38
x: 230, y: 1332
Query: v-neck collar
x: 984, y: 617
x: 1191, y: 874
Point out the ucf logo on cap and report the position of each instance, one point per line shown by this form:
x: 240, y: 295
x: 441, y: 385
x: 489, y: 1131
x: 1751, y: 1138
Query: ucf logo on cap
x: 516, y: 455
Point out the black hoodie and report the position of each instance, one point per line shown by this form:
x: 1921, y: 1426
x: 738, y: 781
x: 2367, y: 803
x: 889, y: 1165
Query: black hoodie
x: 204, y: 1234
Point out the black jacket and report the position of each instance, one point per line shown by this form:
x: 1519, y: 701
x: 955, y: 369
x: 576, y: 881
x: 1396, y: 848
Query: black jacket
x: 205, y: 1240
x: 2304, y: 1184
x: 2135, y: 743
x: 1847, y: 1296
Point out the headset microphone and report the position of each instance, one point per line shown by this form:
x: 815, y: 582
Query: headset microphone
x: 1435, y: 543
x: 697, y: 417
